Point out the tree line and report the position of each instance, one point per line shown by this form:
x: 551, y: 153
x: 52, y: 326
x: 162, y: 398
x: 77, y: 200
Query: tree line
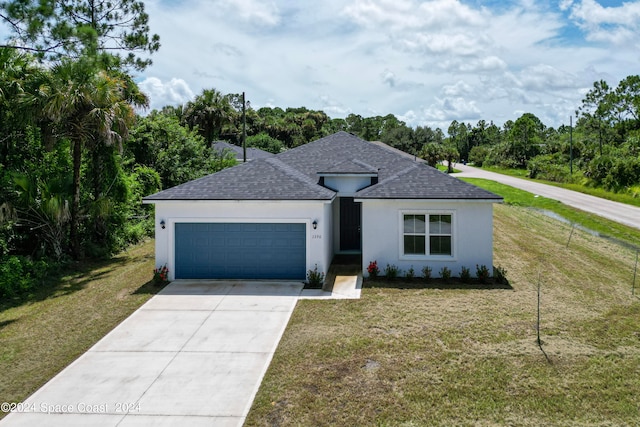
x: 76, y: 157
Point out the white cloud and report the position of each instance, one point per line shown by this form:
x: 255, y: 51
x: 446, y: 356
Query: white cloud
x: 565, y: 4
x: 452, y: 108
x: 255, y: 12
x: 473, y: 65
x: 411, y: 15
x: 543, y: 77
x: 388, y: 78
x: 332, y: 107
x: 617, y: 25
x: 174, y: 92
x: 426, y: 62
x: 458, y: 89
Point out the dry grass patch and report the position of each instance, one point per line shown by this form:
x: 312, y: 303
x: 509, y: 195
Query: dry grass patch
x: 42, y: 336
x: 470, y: 357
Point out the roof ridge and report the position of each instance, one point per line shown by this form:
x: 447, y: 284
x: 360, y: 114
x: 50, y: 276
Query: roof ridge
x: 293, y: 172
x: 399, y: 174
x: 363, y: 164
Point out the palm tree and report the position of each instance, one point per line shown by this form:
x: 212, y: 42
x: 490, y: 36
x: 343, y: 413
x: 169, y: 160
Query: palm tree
x: 210, y: 113
x: 89, y: 106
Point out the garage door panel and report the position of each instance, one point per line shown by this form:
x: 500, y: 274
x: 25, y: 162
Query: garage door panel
x: 240, y: 250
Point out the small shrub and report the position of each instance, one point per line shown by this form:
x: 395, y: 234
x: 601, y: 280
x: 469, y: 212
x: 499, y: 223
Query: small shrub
x: 500, y: 275
x: 161, y: 275
x: 373, y: 269
x: 411, y: 273
x: 426, y: 273
x: 445, y: 274
x: 465, y: 274
x: 482, y: 273
x: 315, y: 278
x: 391, y: 271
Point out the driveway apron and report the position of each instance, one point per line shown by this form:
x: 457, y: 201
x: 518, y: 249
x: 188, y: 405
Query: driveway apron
x: 194, y: 354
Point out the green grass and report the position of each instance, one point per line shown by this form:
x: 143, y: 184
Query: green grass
x: 409, y: 357
x: 597, y: 192
x: 41, y: 336
x: 444, y: 168
x: 517, y: 197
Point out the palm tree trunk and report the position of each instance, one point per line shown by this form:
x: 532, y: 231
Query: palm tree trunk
x: 74, y: 237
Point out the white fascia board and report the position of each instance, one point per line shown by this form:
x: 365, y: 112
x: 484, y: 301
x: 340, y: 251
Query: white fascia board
x: 432, y: 200
x: 152, y: 202
x: 351, y: 175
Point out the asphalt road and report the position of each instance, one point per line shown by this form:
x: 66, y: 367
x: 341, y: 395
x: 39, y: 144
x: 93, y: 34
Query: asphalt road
x: 619, y: 212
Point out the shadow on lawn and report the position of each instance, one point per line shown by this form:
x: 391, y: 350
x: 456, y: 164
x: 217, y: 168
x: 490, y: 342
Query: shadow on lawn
x: 150, y: 288
x: 6, y: 322
x: 75, y: 276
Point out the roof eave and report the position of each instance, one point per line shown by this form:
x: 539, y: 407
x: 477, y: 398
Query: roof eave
x: 434, y: 199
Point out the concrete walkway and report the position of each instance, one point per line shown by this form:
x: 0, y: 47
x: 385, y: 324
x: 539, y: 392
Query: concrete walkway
x: 193, y: 355
x: 619, y: 212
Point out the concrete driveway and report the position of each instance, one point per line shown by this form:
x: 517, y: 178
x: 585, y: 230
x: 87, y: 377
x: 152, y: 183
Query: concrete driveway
x: 193, y: 355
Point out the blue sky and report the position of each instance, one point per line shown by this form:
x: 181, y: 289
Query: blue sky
x: 427, y: 62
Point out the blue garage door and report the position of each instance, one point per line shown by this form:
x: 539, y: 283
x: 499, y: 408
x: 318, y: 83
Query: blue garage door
x: 240, y: 251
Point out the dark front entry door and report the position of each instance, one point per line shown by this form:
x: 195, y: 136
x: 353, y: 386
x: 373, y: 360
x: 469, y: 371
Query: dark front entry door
x: 350, y: 223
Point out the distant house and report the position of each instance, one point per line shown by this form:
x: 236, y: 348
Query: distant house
x: 252, y: 153
x: 280, y: 216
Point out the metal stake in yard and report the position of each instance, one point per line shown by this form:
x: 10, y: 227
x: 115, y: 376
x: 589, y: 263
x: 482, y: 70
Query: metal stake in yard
x: 573, y: 226
x: 635, y: 269
x: 538, y: 323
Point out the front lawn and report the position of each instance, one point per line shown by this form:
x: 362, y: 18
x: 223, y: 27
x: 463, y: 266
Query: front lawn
x: 469, y: 356
x: 42, y: 335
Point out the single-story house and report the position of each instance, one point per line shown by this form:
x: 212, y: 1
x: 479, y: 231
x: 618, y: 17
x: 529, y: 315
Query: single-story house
x: 279, y: 217
x: 237, y: 152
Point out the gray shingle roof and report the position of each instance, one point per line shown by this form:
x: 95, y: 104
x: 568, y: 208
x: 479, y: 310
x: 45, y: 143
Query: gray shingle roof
x: 350, y: 167
x: 424, y: 182
x: 252, y: 153
x: 293, y: 175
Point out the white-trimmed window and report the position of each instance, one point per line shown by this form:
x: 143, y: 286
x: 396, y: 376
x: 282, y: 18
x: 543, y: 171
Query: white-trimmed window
x: 427, y: 234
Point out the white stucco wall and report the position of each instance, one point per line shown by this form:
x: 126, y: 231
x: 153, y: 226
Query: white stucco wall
x: 319, y: 241
x: 382, y: 235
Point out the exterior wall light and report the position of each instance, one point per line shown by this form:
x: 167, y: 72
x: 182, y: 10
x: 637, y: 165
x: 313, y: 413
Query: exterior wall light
x: 315, y: 224
x: 162, y: 224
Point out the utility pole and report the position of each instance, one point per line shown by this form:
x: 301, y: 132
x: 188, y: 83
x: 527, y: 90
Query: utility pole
x: 244, y: 129
x: 571, y: 145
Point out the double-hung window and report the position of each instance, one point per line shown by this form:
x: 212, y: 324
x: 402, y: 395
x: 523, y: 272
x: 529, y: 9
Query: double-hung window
x: 427, y: 234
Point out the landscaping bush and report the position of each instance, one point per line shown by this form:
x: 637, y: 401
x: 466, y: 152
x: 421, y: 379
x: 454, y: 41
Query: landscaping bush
x: 465, y: 274
x: 391, y: 271
x: 410, y: 274
x: 500, y: 275
x: 315, y: 278
x: 482, y: 273
x: 426, y: 273
x: 373, y: 269
x: 161, y: 275
x: 445, y: 274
